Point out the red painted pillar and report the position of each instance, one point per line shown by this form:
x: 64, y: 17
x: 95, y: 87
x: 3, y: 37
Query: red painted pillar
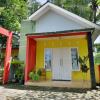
x: 99, y: 72
x: 30, y: 57
x: 27, y: 53
x: 7, y: 58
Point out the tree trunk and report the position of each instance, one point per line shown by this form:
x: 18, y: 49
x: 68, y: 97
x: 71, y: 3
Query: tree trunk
x: 94, y: 8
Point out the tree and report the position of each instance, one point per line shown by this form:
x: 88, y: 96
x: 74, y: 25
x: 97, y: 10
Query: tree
x: 13, y: 12
x: 95, y: 10
x: 3, y: 40
x: 98, y: 10
x: 33, y: 5
x: 79, y: 7
x: 94, y: 7
x: 98, y: 2
x: 2, y: 3
x: 84, y: 8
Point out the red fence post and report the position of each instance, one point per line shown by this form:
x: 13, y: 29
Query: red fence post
x: 7, y: 58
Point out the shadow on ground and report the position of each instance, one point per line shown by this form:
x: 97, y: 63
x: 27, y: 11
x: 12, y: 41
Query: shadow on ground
x: 39, y: 88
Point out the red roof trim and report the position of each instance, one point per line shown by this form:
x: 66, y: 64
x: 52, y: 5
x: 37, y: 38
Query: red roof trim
x: 57, y: 35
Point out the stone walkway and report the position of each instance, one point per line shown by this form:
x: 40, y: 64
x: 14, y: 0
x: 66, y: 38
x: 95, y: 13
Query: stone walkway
x: 15, y: 94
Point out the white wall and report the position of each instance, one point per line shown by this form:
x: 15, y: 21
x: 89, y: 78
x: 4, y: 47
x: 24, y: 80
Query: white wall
x: 51, y: 22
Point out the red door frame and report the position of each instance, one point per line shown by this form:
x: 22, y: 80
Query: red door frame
x: 7, y: 54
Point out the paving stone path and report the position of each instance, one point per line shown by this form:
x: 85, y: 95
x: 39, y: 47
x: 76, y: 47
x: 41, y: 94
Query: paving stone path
x: 15, y: 94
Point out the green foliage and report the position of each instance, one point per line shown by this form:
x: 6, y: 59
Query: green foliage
x: 33, y: 6
x: 84, y: 8
x: 98, y: 1
x: 3, y: 39
x: 14, y: 11
x: 97, y: 59
x: 31, y: 75
x: 79, y: 7
x: 17, y: 62
x: 2, y: 3
x: 35, y: 75
x: 83, y: 63
x: 39, y: 72
x: 19, y: 73
x: 1, y: 72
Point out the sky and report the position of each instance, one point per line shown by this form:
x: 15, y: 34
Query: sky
x: 42, y: 1
x: 97, y: 40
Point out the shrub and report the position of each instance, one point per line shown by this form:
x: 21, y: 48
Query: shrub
x: 31, y: 75
x: 36, y: 77
x: 19, y: 72
x: 97, y: 59
x: 1, y: 72
x: 83, y: 63
x: 39, y: 72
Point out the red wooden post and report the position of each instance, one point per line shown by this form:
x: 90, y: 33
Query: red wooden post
x: 99, y: 72
x: 7, y: 58
x: 30, y: 57
x: 8, y: 54
x: 4, y: 31
x: 27, y: 59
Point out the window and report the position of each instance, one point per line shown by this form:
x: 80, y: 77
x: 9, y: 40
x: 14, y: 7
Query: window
x: 74, y: 55
x: 48, y: 58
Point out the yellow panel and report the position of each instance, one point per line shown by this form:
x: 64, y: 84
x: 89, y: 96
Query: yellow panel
x: 97, y: 74
x: 80, y: 43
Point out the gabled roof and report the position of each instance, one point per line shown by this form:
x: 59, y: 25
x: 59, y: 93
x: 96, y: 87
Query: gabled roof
x: 49, y: 6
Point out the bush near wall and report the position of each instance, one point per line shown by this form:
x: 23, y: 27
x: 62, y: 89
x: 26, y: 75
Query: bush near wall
x: 97, y: 59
